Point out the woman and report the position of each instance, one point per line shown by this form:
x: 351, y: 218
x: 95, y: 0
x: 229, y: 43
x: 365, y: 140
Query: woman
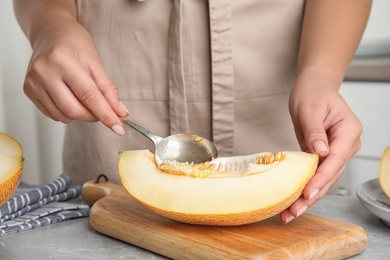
x: 244, y: 74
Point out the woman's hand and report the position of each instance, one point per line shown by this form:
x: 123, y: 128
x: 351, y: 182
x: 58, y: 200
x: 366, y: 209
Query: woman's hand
x: 65, y: 78
x: 324, y: 124
x: 323, y: 121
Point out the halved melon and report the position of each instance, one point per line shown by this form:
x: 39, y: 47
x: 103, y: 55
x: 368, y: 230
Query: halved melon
x: 225, y: 191
x: 11, y: 166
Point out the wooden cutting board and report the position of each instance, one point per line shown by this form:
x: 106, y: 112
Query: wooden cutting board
x: 117, y: 214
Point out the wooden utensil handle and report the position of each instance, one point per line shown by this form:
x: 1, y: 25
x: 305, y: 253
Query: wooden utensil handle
x: 92, y: 191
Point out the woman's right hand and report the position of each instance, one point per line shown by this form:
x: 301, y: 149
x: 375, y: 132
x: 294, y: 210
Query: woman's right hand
x: 66, y: 79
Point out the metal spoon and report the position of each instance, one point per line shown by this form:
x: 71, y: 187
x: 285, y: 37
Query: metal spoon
x: 179, y: 147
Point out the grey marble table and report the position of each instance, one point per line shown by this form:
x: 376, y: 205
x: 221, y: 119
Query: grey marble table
x: 76, y: 239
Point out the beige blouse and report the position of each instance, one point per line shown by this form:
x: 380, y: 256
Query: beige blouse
x: 220, y: 69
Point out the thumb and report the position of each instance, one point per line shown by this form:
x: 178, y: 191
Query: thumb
x: 316, y: 138
x: 320, y: 147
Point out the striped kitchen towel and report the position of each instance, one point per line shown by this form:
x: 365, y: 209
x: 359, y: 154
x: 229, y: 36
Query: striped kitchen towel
x: 36, y: 206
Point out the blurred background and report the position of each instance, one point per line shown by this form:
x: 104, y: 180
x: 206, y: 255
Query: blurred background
x: 366, y: 89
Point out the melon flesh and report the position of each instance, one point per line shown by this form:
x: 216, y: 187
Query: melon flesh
x: 259, y: 192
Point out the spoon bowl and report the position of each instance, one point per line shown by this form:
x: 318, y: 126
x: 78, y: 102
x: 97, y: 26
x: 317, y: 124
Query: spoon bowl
x: 178, y: 147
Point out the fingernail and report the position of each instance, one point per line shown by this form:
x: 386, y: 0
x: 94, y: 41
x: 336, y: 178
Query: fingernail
x: 301, y: 211
x: 320, y: 147
x: 313, y: 193
x: 289, y: 219
x: 124, y: 107
x: 118, y: 130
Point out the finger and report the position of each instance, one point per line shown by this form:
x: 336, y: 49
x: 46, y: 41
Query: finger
x: 90, y: 96
x: 46, y: 112
x: 44, y: 103
x: 108, y: 89
x: 301, y: 205
x: 312, y: 127
x: 327, y: 173
x: 68, y: 103
x: 342, y: 148
x: 49, y: 108
x: 55, y: 99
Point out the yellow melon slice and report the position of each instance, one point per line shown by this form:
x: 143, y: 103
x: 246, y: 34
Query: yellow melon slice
x: 11, y: 166
x: 225, y: 191
x: 384, y: 171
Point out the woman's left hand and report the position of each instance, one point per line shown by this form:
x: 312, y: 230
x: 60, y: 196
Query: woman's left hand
x: 324, y: 124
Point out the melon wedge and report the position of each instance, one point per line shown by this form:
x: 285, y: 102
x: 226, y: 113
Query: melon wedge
x: 245, y: 192
x: 11, y: 166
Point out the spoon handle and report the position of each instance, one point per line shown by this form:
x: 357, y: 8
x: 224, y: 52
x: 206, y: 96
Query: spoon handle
x: 154, y: 138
